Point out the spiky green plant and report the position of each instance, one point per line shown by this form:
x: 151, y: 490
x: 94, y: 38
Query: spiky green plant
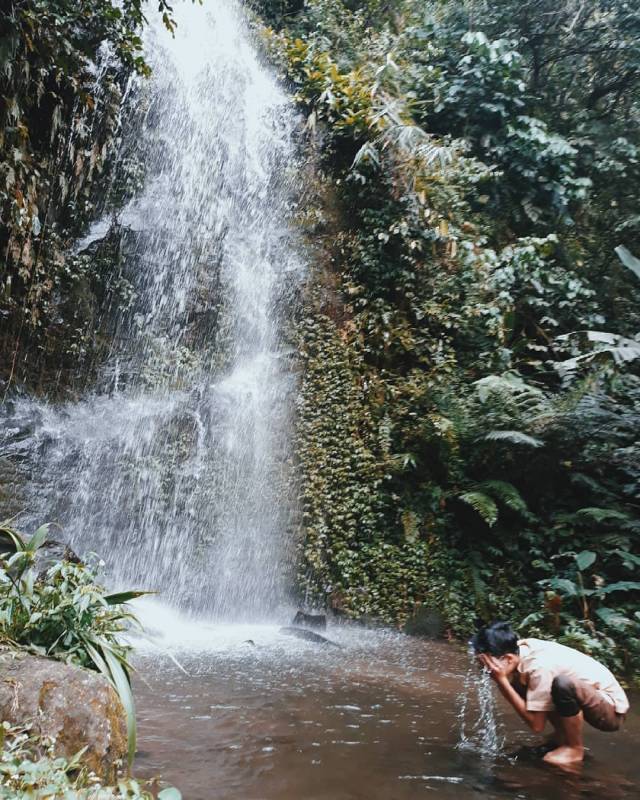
x: 64, y: 613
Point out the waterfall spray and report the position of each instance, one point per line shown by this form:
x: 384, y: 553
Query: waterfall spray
x: 483, y: 734
x: 175, y: 469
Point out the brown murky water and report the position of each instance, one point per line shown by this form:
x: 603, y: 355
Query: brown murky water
x: 281, y: 719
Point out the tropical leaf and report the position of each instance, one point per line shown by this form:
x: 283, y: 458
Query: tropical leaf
x: 11, y: 538
x: 515, y: 437
x: 600, y: 515
x: 508, y: 383
x: 585, y: 559
x: 120, y: 681
x: 610, y: 347
x: 629, y: 560
x: 621, y: 586
x: 628, y: 259
x: 613, y: 618
x: 532, y: 619
x: 483, y: 504
x: 563, y: 585
x: 367, y: 153
x: 124, y: 597
x: 38, y: 538
x: 107, y: 663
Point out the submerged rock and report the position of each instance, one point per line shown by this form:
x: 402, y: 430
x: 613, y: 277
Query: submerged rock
x: 309, y: 636
x: 74, y: 706
x: 303, y: 620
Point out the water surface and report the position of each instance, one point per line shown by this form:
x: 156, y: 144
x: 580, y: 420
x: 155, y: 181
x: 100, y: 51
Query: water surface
x: 282, y: 719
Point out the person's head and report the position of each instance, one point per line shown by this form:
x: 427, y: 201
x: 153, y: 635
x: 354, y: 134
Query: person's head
x: 500, y: 641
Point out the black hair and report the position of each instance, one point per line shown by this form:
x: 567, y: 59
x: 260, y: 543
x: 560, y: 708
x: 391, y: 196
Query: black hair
x: 496, y: 639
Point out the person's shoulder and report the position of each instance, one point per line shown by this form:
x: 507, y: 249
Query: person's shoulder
x: 536, y: 654
x: 531, y: 644
x: 531, y: 641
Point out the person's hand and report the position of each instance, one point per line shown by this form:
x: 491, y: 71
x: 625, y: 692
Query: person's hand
x: 494, y: 667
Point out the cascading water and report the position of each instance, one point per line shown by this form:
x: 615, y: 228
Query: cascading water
x: 484, y: 735
x: 175, y: 469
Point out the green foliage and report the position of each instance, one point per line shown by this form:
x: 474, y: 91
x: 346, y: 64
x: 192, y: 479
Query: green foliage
x: 471, y: 397
x: 63, y: 613
x: 483, y: 504
x: 25, y: 775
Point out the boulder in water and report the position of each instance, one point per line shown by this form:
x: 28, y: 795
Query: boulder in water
x: 304, y: 620
x: 73, y: 706
x: 309, y: 636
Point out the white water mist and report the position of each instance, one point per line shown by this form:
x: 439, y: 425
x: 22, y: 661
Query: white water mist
x: 176, y: 468
x: 478, y: 726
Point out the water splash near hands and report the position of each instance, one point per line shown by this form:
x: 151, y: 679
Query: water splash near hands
x: 483, y: 735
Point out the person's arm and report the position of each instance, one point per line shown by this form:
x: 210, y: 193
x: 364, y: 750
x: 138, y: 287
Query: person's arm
x: 536, y: 720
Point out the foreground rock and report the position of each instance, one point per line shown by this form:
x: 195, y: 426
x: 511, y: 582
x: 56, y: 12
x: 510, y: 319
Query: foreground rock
x: 74, y: 706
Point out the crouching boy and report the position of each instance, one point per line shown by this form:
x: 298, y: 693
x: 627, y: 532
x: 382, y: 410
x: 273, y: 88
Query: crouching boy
x: 548, y: 681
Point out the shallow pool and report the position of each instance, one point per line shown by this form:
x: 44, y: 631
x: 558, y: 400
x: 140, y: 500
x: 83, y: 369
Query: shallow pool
x: 261, y: 716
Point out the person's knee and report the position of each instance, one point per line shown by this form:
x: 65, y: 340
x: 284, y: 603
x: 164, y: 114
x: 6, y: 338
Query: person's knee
x: 563, y: 694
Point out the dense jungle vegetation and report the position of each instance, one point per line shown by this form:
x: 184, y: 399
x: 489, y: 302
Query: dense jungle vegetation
x: 470, y: 390
x: 468, y: 428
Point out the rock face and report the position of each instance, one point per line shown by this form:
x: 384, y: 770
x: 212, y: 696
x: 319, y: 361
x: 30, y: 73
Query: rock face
x: 76, y: 707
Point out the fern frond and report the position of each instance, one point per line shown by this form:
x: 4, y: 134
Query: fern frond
x: 515, y: 437
x: 599, y: 515
x: 509, y: 383
x: 506, y: 493
x: 483, y: 505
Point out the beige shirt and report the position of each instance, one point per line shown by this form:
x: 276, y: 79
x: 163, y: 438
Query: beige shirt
x: 541, y: 662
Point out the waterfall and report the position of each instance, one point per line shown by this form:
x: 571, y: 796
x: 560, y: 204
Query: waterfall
x: 175, y: 468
